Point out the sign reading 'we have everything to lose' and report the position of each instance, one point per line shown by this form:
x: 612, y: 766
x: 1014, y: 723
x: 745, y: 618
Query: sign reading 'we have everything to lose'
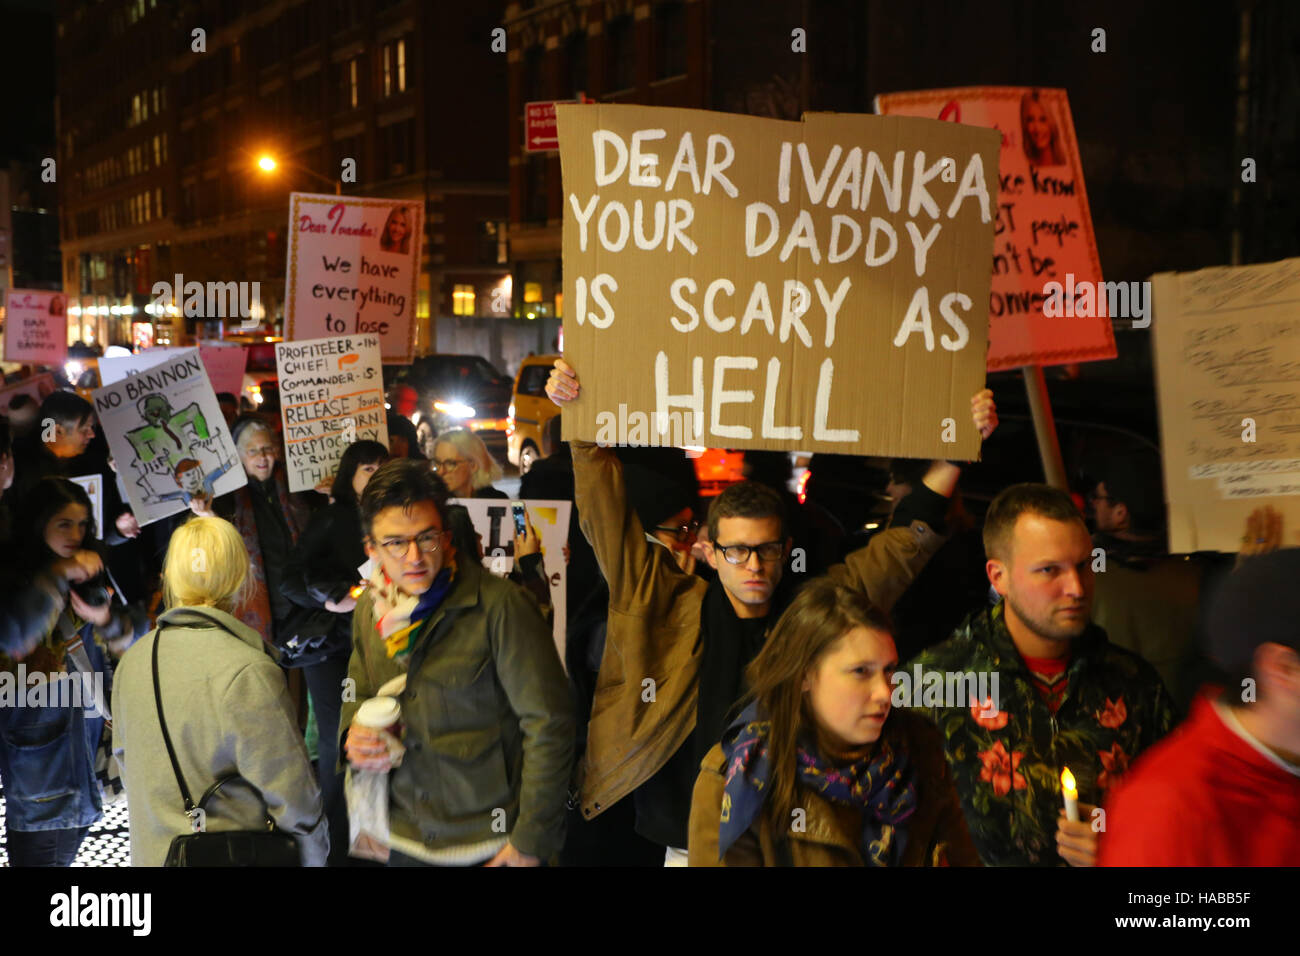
x: 755, y: 283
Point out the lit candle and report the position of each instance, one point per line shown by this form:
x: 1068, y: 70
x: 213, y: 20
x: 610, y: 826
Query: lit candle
x: 1071, y: 795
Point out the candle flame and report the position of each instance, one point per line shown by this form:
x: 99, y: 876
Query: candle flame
x: 1067, y: 780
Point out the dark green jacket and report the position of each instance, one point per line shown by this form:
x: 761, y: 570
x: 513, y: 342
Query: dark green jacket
x: 1007, y: 765
x: 487, y: 715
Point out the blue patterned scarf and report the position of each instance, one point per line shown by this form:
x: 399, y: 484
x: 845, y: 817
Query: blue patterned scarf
x: 881, y: 785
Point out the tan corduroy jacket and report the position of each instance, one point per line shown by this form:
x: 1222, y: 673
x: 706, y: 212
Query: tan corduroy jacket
x: 936, y: 831
x: 653, y: 628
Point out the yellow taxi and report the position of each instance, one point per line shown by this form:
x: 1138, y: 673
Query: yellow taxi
x: 529, y: 411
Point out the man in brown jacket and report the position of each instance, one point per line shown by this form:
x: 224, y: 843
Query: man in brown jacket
x: 676, y: 646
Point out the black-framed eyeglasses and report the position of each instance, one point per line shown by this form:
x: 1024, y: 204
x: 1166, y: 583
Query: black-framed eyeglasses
x: 447, y: 464
x: 739, y: 553
x: 399, y: 548
x: 680, y: 532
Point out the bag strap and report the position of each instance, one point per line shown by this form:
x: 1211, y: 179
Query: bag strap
x: 192, y: 810
x: 162, y: 723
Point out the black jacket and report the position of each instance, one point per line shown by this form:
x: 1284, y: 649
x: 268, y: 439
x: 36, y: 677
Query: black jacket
x: 323, y: 567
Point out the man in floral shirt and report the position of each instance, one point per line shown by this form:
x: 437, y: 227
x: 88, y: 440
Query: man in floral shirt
x: 1063, y: 696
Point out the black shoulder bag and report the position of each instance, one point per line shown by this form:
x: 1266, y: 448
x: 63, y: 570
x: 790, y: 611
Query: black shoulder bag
x: 269, y: 847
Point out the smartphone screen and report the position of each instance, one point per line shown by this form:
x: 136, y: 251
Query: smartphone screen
x: 517, y: 508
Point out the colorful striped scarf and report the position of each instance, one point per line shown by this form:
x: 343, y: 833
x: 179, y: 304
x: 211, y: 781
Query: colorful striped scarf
x: 400, y: 617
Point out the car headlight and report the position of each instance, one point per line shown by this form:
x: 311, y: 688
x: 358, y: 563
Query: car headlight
x: 454, y: 409
x: 73, y: 371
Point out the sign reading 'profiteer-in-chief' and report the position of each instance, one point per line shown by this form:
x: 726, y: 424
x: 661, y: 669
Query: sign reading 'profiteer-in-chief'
x: 822, y: 283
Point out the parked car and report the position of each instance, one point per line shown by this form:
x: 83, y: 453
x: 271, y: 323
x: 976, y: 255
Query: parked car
x: 455, y: 390
x: 530, y: 410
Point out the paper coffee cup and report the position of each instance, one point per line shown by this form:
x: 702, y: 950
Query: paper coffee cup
x: 380, y: 713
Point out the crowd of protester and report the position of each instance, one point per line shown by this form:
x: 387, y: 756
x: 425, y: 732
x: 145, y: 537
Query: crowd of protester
x: 733, y: 685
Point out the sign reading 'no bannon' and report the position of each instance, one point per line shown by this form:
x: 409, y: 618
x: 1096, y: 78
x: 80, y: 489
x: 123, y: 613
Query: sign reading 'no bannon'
x: 753, y: 283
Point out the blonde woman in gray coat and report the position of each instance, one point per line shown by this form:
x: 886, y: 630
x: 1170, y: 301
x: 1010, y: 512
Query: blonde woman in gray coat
x: 226, y: 704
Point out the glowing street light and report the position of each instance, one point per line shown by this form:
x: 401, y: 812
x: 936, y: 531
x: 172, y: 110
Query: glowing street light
x: 268, y: 164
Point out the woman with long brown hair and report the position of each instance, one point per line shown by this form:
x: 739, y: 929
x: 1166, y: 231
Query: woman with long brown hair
x: 818, y: 770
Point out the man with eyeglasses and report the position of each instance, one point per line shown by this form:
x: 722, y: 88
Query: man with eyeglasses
x: 679, y: 646
x: 488, y: 720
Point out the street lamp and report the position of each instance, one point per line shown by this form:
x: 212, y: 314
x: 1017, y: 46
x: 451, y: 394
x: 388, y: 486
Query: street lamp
x: 268, y: 164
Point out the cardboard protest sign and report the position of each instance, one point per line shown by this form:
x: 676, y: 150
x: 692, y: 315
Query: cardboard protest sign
x: 168, y: 437
x: 38, y: 386
x: 331, y: 395
x: 1044, y: 229
x: 94, y: 485
x: 36, y: 327
x: 223, y: 364
x: 495, y: 525
x: 1227, y: 351
x: 753, y: 283
x: 352, y: 268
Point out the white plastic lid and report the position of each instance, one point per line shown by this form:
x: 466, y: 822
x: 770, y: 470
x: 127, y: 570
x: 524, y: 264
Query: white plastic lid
x: 379, y: 712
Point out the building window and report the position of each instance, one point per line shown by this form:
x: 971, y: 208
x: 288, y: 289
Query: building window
x: 397, y: 142
x: 352, y: 83
x: 401, y: 66
x: 621, y: 53
x: 157, y: 195
x: 538, y: 194
x: 388, y: 71
x: 670, y: 40
x: 157, y: 150
x: 575, y: 56
x: 462, y: 300
x: 533, y: 83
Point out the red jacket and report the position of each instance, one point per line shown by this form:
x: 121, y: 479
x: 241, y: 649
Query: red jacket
x: 1204, y: 796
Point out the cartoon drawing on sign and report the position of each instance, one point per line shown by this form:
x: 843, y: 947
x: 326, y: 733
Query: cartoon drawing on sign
x: 1042, y: 145
x: 174, y: 445
x: 396, y: 236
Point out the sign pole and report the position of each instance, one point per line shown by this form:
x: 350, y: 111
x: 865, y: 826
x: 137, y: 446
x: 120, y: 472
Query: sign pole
x: 1049, y: 446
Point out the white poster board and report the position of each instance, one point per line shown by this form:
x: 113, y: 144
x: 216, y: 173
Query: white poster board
x: 94, y: 485
x: 496, y: 528
x: 168, y: 437
x: 331, y: 395
x: 352, y: 268
x: 223, y: 364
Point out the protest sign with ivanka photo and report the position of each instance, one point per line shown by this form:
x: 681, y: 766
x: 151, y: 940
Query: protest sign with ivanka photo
x: 1044, y: 229
x: 495, y: 526
x: 168, y: 437
x: 37, y: 387
x: 223, y: 364
x: 1227, y: 357
x: 331, y: 395
x: 353, y: 265
x: 36, y: 327
x: 755, y: 283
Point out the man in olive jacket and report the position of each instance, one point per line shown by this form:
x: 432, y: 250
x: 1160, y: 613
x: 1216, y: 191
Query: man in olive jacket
x: 488, y: 722
x: 676, y: 647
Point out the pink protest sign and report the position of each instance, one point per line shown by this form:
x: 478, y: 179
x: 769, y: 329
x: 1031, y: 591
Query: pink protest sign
x: 1043, y: 239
